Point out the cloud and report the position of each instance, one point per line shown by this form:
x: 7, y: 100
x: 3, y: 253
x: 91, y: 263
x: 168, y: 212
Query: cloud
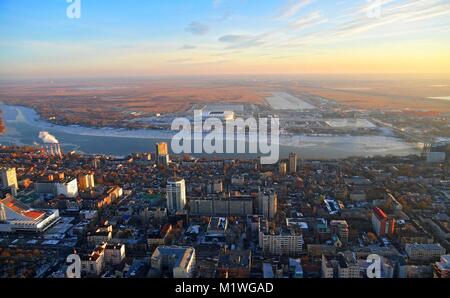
x: 292, y: 8
x: 242, y: 41
x: 401, y: 13
x: 188, y: 47
x: 267, y: 38
x: 180, y: 60
x: 312, y: 19
x: 192, y: 61
x: 198, y: 28
x: 395, y: 19
x: 225, y: 16
x: 209, y: 62
x: 224, y: 8
x: 233, y: 38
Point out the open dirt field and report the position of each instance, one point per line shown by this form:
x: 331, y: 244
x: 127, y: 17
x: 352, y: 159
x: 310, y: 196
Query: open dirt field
x: 384, y: 95
x: 106, y: 103
x: 114, y: 102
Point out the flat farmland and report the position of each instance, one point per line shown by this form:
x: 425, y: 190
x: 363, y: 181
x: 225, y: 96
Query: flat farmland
x: 406, y: 95
x: 113, y: 103
x: 117, y: 102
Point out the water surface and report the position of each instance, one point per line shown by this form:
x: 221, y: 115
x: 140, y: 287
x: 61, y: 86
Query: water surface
x: 24, y: 124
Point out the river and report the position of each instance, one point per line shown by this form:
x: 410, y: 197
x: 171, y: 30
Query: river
x: 24, y: 124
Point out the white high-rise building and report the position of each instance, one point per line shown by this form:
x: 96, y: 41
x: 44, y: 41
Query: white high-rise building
x: 9, y: 177
x: 281, y: 242
x: 67, y: 188
x: 176, y: 195
x: 268, y: 203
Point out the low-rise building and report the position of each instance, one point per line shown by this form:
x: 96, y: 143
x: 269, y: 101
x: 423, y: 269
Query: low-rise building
x: 221, y: 206
x: 442, y: 268
x: 180, y: 261
x: 93, y: 263
x: 101, y: 234
x: 340, y: 266
x: 159, y: 237
x: 424, y: 252
x: 216, y: 231
x: 234, y: 264
x: 340, y: 228
x: 114, y: 254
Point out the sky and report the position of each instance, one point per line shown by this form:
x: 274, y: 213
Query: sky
x: 214, y: 37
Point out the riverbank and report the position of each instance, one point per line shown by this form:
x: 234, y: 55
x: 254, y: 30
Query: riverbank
x: 24, y: 124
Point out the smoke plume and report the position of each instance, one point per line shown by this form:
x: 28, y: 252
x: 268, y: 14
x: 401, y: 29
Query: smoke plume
x: 48, y: 138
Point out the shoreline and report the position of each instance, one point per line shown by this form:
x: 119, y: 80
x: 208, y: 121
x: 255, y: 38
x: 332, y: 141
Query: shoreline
x: 37, y: 119
x: 93, y: 140
x: 33, y: 117
x: 68, y: 122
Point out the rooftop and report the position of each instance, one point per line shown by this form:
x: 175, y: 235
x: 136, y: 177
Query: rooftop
x: 181, y: 254
x: 379, y: 213
x: 22, y: 209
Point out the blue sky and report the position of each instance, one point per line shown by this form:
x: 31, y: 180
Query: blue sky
x: 136, y: 37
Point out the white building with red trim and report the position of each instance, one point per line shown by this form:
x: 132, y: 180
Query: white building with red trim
x: 15, y: 216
